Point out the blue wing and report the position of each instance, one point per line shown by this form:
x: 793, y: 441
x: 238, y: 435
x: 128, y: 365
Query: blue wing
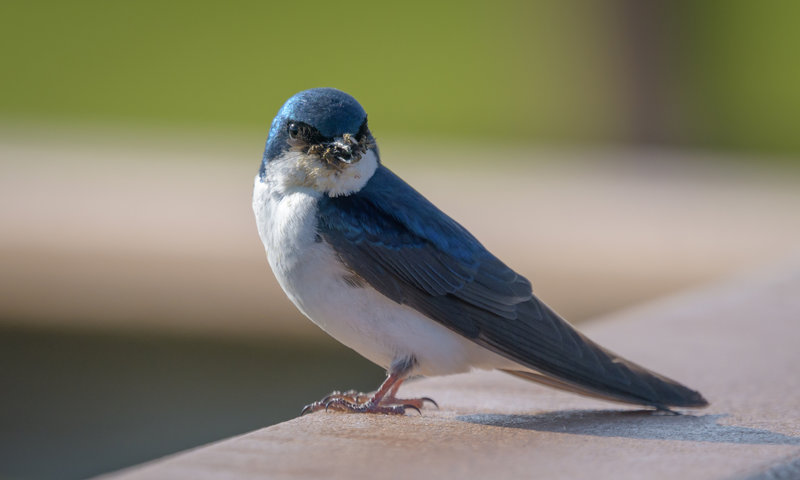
x: 407, y: 249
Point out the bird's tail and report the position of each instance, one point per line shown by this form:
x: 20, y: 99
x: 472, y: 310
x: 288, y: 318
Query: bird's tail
x: 631, y: 383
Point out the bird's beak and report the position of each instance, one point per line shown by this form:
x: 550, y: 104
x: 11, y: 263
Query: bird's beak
x: 342, y: 150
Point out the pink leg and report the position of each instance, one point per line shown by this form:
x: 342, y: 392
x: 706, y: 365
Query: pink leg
x: 414, y: 402
x: 382, y: 401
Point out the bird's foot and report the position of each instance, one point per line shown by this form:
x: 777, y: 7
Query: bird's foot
x: 370, y: 406
x: 417, y: 403
x: 352, y: 401
x: 350, y: 396
x: 384, y: 400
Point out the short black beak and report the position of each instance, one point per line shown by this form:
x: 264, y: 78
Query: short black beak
x: 342, y: 152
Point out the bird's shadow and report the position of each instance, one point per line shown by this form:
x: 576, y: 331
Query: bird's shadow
x: 639, y: 424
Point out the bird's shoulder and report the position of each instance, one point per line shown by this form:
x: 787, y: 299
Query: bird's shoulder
x: 402, y: 245
x: 389, y: 212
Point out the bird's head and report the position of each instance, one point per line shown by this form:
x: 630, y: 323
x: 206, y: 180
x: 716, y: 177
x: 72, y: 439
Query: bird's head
x: 320, y: 139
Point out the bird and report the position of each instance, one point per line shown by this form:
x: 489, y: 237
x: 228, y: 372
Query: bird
x: 382, y: 270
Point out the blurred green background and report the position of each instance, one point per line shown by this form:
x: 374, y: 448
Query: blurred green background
x: 716, y: 74
x: 121, y: 289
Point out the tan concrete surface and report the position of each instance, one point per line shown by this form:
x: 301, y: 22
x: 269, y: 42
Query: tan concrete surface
x: 137, y: 233
x: 737, y: 343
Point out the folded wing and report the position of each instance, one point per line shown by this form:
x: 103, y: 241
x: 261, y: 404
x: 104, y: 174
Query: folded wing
x: 414, y: 254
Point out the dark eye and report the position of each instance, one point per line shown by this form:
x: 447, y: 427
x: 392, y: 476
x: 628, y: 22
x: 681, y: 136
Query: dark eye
x: 294, y: 130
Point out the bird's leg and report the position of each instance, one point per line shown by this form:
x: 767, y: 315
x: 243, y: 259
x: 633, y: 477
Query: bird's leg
x: 355, y: 402
x: 375, y: 403
x: 383, y: 400
x: 391, y: 398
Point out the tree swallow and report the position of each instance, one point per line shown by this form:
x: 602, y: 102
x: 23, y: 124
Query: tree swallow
x: 381, y: 269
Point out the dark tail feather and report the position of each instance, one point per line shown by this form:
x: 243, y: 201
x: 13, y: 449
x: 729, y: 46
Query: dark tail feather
x: 694, y: 399
x: 552, y: 352
x: 640, y: 386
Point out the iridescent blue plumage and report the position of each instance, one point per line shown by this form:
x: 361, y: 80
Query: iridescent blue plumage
x: 410, y: 251
x: 331, y: 111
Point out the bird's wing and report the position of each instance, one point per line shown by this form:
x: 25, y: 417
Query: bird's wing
x: 414, y: 254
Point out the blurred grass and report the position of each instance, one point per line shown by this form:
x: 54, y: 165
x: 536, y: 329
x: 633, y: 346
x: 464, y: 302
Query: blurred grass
x: 551, y: 72
x: 737, y: 70
x: 418, y: 66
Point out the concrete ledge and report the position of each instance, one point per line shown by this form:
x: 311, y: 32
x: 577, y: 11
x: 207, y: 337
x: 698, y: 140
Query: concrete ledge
x: 736, y: 343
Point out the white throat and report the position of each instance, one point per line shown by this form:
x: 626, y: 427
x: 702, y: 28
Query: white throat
x: 297, y: 169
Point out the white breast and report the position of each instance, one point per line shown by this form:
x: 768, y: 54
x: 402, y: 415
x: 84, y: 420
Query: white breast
x: 314, y: 279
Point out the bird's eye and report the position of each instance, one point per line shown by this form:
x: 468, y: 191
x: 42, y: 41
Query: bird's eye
x: 294, y: 130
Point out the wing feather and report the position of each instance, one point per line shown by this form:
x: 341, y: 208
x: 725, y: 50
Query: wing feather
x: 414, y: 254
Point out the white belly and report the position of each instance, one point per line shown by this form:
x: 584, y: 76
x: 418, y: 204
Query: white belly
x: 313, y: 278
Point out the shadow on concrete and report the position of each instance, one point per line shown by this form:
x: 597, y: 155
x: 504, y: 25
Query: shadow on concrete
x: 641, y: 424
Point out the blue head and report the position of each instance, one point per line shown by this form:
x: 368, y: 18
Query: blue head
x: 323, y: 122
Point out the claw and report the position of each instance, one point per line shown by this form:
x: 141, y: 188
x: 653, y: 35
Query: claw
x: 331, y: 396
x: 429, y: 399
x: 407, y: 406
x: 310, y: 408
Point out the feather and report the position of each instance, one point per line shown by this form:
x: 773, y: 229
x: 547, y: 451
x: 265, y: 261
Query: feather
x: 408, y: 250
